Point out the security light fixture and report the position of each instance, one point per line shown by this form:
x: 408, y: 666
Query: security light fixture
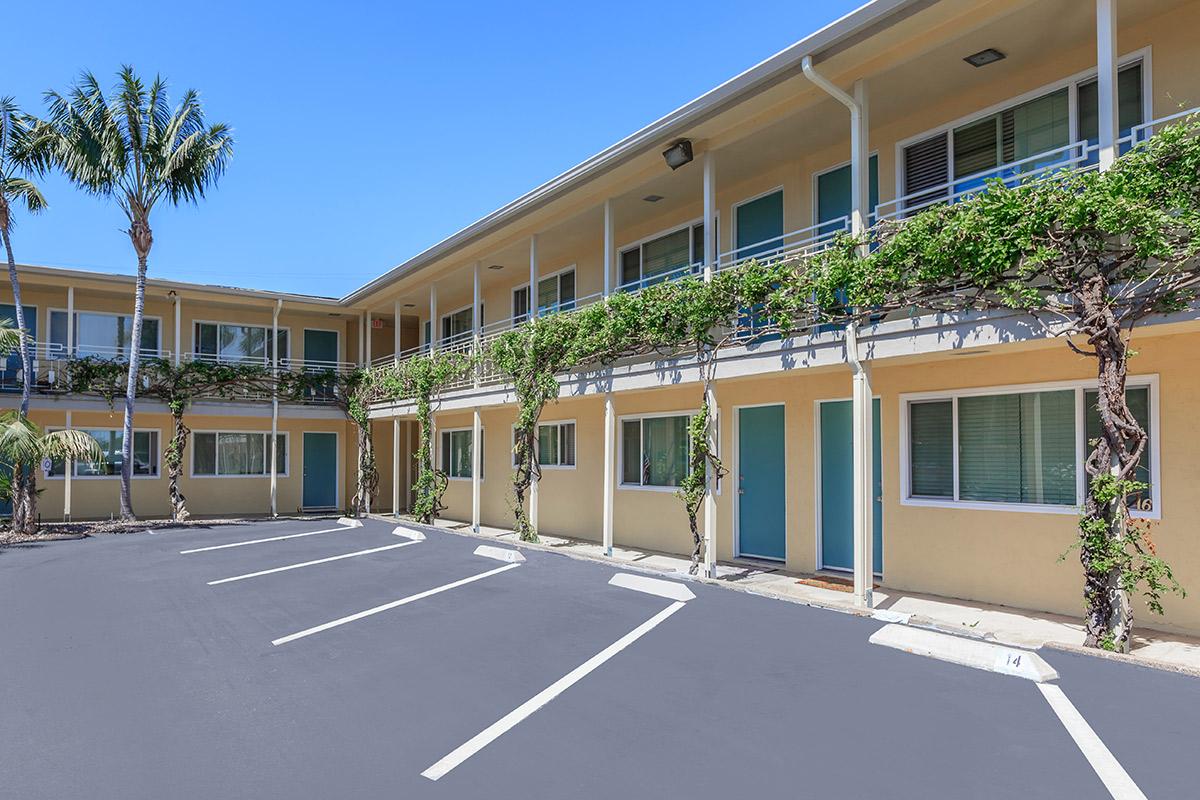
x: 495, y: 266
x: 678, y: 154
x: 652, y: 198
x: 984, y: 57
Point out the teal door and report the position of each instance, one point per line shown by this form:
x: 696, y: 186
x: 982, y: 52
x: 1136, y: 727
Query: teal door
x: 759, y: 225
x: 837, y: 487
x: 320, y: 470
x: 762, y: 518
x: 320, y: 346
x: 833, y: 195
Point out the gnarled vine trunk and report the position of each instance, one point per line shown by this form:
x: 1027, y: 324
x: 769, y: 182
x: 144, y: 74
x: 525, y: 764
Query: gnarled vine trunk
x: 431, y: 483
x: 368, y: 474
x: 173, y: 456
x: 1104, y: 517
x: 525, y: 472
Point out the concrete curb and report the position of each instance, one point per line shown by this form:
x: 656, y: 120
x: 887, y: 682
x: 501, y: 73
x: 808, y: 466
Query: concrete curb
x: 965, y: 652
x: 915, y: 620
x: 1123, y: 658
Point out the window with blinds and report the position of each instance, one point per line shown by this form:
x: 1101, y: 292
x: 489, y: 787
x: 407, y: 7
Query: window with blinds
x: 1017, y: 448
x: 654, y: 451
x: 661, y: 255
x: 1020, y: 448
x: 555, y: 444
x: 991, y: 144
x: 931, y: 437
x: 456, y: 453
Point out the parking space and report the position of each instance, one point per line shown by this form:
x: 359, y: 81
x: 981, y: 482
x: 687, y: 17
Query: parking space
x: 369, y: 662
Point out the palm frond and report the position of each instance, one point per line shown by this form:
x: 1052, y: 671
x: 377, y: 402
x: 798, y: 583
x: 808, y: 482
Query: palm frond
x: 71, y: 445
x: 24, y: 190
x: 10, y: 337
x: 20, y: 439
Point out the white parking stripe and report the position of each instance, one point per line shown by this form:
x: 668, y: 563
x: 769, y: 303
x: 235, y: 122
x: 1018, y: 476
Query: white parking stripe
x: 260, y: 541
x: 510, y: 720
x: 1113, y: 775
x: 310, y: 563
x: 394, y: 604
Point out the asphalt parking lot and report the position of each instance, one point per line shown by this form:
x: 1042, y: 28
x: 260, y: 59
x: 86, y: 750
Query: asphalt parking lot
x: 362, y: 663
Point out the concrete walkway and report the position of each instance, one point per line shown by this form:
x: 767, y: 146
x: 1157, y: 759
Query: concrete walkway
x: 1020, y: 627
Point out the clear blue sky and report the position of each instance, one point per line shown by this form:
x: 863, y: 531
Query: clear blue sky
x: 368, y: 131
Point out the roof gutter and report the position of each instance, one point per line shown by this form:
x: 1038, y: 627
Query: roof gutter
x: 858, y: 23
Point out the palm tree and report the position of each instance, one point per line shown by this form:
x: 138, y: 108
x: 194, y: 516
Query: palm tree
x: 132, y: 146
x: 20, y: 155
x: 24, y: 445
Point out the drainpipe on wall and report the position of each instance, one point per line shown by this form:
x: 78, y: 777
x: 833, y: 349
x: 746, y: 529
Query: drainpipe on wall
x: 862, y: 404
x: 178, y: 329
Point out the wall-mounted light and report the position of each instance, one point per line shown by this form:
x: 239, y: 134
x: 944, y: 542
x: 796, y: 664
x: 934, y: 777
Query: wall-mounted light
x: 678, y: 154
x: 985, y: 57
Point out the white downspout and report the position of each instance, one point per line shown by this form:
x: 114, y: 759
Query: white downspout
x: 274, y: 407
x: 863, y: 412
x: 178, y: 329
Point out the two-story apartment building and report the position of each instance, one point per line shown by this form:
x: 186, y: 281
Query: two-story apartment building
x: 978, y: 423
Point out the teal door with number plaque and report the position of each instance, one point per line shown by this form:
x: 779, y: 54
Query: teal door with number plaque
x: 320, y: 470
x: 837, y: 487
x: 762, y: 483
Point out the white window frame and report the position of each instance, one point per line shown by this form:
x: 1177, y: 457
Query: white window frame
x: 75, y: 326
x: 557, y: 423
x: 158, y: 467
x: 1071, y: 83
x: 462, y: 337
x: 283, y: 473
x: 555, y: 274
x: 689, y: 225
x: 471, y: 430
x: 1149, y: 381
x: 733, y: 218
x: 305, y: 359
x: 621, y: 485
x: 267, y: 328
x: 815, y: 180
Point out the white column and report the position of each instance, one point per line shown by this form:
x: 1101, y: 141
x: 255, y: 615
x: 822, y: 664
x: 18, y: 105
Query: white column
x: 533, y: 276
x: 476, y: 467
x: 476, y: 321
x: 70, y: 467
x: 860, y: 192
x: 407, y: 463
x: 396, y: 339
x: 609, y: 248
x: 533, y: 312
x: 274, y: 407
x: 370, y: 337
x: 433, y: 320
x: 710, y: 487
x: 710, y: 214
x: 395, y: 466
x: 178, y: 329
x: 610, y: 467
x: 862, y: 415
x: 70, y: 322
x: 363, y: 338
x: 1106, y: 71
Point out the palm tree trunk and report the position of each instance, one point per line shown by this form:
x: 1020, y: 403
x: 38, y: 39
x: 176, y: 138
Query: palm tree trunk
x: 19, y: 312
x: 135, y: 342
x: 174, y: 461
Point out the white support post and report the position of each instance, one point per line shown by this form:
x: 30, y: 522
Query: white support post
x: 70, y: 322
x: 533, y: 312
x: 362, y: 338
x: 860, y: 161
x: 710, y: 214
x: 178, y: 329
x: 396, y: 339
x: 476, y: 467
x: 609, y: 247
x: 1106, y: 82
x: 395, y: 466
x: 533, y: 276
x: 408, y: 463
x: 476, y: 324
x: 710, y: 487
x: 863, y: 421
x: 433, y: 320
x: 274, y: 408
x: 370, y: 340
x: 70, y: 467
x: 610, y: 467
